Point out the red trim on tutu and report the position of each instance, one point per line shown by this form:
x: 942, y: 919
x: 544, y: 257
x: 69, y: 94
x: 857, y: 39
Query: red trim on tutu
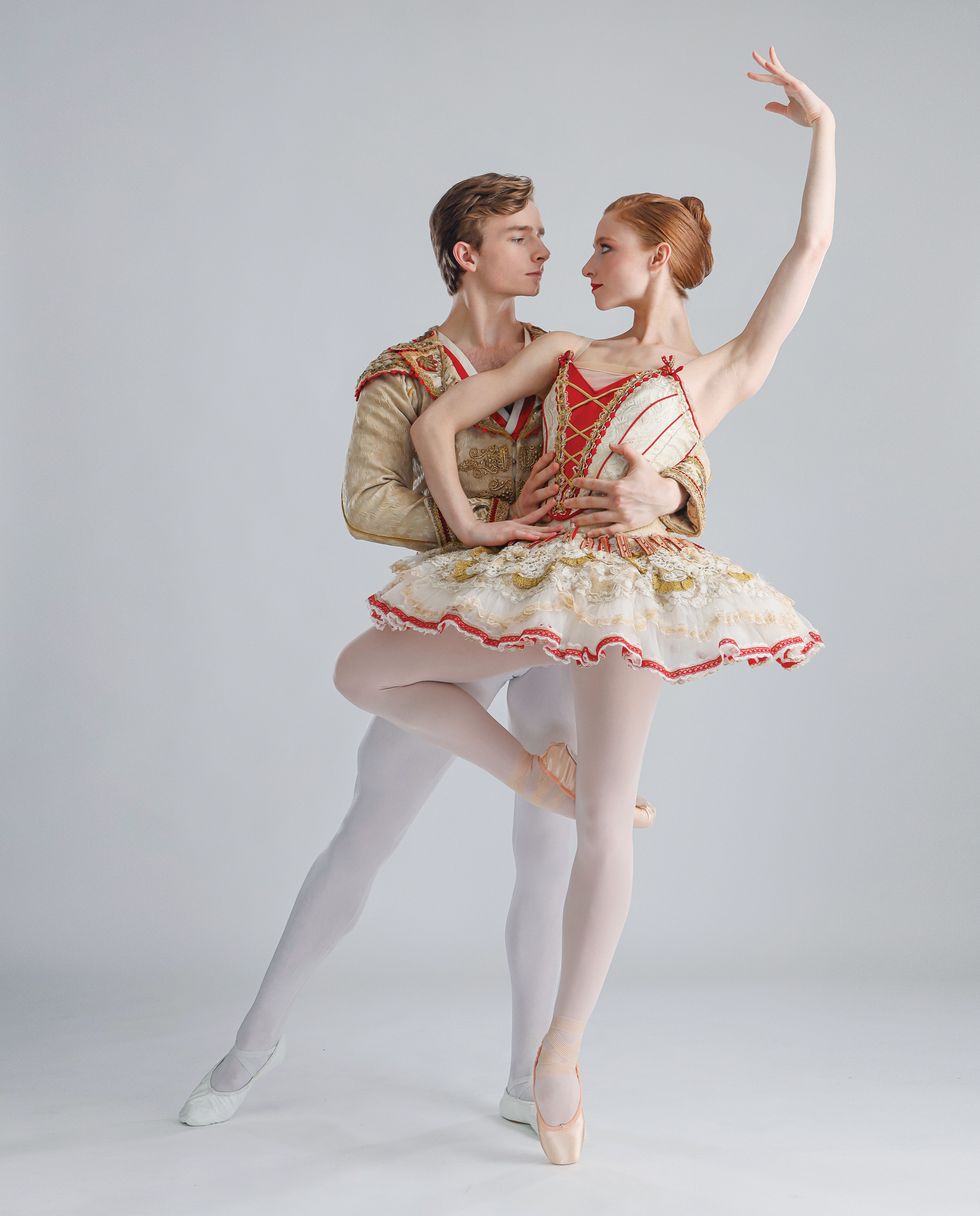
x: 387, y: 615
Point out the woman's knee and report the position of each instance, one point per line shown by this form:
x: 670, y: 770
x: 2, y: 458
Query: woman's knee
x: 350, y: 673
x: 603, y: 830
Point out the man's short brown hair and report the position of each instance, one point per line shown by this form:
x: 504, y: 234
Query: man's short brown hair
x: 459, y: 214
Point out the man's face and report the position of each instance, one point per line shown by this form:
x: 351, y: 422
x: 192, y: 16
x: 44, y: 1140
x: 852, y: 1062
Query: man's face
x: 511, y: 259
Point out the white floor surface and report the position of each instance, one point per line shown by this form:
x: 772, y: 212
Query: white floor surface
x: 701, y: 1099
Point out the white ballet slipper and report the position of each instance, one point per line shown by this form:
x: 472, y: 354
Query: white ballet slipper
x: 207, y: 1105
x: 517, y: 1110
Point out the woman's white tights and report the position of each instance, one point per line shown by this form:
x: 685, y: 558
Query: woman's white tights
x: 412, y: 680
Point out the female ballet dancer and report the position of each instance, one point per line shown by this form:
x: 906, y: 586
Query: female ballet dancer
x: 670, y: 608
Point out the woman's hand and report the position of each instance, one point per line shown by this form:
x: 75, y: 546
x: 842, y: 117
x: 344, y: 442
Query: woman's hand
x: 804, y: 106
x: 539, y: 487
x: 492, y: 536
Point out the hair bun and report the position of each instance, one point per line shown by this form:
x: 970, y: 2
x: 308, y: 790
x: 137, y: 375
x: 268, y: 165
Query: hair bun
x: 696, y: 208
x: 657, y: 218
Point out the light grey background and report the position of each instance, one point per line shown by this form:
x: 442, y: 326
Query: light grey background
x: 216, y: 215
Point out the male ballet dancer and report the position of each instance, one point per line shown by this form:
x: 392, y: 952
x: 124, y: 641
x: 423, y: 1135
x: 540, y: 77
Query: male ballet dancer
x: 488, y: 240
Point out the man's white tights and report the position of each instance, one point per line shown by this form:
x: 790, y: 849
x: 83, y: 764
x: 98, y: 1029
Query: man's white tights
x: 396, y: 773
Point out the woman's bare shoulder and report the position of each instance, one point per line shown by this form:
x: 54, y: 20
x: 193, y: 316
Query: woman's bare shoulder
x: 535, y: 367
x: 556, y: 341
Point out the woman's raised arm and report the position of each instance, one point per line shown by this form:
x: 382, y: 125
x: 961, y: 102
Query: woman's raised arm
x: 735, y: 371
x: 531, y: 371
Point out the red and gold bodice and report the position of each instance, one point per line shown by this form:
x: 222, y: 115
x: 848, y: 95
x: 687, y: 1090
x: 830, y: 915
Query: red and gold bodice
x: 585, y: 411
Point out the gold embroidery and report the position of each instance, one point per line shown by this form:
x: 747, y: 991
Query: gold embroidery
x: 739, y: 574
x: 693, y: 473
x: 526, y: 583
x: 670, y: 584
x: 499, y: 488
x: 636, y: 565
x: 422, y: 359
x: 462, y: 569
x: 483, y: 461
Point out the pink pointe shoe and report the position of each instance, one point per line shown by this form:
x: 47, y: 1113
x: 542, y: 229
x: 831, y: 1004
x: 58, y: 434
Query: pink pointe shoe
x: 559, y: 764
x: 562, y: 1142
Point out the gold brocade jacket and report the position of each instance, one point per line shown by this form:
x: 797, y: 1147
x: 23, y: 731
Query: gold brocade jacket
x: 384, y: 496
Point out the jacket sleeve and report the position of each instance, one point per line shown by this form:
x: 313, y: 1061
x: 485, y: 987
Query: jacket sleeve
x: 384, y: 497
x: 379, y: 497
x: 693, y: 473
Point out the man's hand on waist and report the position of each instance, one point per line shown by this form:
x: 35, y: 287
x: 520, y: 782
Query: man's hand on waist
x: 611, y: 505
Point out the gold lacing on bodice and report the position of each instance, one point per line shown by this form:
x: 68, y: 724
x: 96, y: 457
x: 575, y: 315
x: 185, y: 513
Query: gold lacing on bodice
x: 576, y: 463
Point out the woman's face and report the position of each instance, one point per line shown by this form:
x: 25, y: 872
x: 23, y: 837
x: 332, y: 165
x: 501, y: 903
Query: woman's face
x: 619, y: 269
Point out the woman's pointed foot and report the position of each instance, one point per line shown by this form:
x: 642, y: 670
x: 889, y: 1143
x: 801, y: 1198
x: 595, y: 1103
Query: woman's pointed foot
x: 562, y: 1142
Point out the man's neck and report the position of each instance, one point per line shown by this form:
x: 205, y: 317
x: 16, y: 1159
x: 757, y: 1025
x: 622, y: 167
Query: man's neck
x: 482, y: 326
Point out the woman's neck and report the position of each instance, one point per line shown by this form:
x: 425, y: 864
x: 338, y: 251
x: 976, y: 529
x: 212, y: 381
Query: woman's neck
x: 662, y: 323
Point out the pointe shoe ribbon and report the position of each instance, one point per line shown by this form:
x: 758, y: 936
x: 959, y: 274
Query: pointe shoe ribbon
x: 559, y: 764
x: 207, y: 1105
x: 562, y: 1142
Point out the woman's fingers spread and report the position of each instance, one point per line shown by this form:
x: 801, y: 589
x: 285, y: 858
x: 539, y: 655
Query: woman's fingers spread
x: 773, y: 66
x: 766, y: 63
x: 777, y: 66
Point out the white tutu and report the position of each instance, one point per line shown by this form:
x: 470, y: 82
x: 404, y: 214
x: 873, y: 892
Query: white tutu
x: 669, y: 605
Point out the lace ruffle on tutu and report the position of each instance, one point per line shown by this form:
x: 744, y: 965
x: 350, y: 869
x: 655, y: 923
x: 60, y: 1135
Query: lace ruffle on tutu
x: 683, y: 613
